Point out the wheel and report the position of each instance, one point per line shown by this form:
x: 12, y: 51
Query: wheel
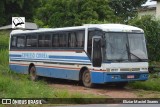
x: 32, y: 73
x: 86, y: 79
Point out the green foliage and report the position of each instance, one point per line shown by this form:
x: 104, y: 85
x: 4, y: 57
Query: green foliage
x: 151, y: 28
x: 151, y: 84
x: 58, y: 13
x: 4, y: 39
x: 14, y: 8
x: 4, y: 46
x: 4, y: 58
x: 125, y: 9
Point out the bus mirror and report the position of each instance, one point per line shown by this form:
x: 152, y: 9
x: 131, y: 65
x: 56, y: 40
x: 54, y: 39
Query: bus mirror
x: 96, y: 51
x: 103, y: 43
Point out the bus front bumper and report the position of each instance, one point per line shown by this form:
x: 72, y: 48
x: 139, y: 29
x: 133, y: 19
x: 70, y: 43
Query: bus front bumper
x: 107, y: 77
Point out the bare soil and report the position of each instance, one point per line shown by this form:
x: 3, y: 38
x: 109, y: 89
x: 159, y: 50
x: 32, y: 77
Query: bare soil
x: 108, y: 91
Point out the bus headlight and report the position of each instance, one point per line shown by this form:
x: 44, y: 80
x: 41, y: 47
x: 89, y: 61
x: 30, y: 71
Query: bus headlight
x: 114, y: 70
x: 144, y: 69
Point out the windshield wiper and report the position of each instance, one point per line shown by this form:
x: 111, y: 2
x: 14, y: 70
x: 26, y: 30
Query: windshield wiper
x: 130, y: 53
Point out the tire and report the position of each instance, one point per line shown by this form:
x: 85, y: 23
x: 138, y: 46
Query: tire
x: 86, y: 79
x: 32, y: 73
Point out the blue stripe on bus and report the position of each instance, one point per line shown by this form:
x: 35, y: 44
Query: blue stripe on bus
x: 69, y: 57
x: 49, y: 60
x: 15, y: 55
x: 55, y: 56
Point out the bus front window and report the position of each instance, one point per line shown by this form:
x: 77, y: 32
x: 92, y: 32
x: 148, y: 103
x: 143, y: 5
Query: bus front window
x: 137, y: 46
x: 125, y: 47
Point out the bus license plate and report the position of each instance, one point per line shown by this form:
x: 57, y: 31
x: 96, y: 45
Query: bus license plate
x: 130, y: 76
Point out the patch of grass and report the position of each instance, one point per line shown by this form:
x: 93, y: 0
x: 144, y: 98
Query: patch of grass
x: 4, y: 39
x: 14, y: 85
x: 147, y: 94
x: 153, y: 83
x: 4, y: 59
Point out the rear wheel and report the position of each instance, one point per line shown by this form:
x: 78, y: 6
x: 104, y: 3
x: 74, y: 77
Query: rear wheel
x: 86, y: 79
x: 32, y: 73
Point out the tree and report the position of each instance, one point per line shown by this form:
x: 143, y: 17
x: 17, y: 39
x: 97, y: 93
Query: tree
x: 13, y: 8
x: 151, y: 29
x: 125, y: 9
x: 58, y: 13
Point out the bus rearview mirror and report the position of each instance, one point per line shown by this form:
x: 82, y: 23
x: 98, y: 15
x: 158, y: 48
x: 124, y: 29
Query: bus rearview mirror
x: 96, y: 51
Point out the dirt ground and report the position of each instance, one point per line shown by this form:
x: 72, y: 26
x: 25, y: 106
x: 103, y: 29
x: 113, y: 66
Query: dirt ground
x: 108, y: 91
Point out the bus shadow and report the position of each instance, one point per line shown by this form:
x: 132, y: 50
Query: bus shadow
x: 80, y: 84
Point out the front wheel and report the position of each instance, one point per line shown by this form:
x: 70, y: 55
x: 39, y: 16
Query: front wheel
x: 32, y: 73
x: 86, y: 79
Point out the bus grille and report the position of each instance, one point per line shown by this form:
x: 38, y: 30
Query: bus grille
x: 130, y: 69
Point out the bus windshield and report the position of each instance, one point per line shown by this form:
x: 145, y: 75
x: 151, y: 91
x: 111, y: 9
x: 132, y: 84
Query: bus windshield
x: 125, y: 47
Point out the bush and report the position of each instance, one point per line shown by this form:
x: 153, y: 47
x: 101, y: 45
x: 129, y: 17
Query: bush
x: 151, y: 84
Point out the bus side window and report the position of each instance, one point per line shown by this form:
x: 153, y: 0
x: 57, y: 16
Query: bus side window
x: 72, y: 39
x: 13, y: 41
x: 20, y: 41
x: 44, y: 40
x: 40, y: 40
x: 55, y: 40
x: 31, y: 41
x: 80, y: 38
x: 63, y: 40
x: 47, y: 40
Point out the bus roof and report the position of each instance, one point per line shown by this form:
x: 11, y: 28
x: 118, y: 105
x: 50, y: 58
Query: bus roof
x: 104, y: 27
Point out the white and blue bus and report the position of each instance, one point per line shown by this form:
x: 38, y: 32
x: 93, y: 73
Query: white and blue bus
x: 92, y: 53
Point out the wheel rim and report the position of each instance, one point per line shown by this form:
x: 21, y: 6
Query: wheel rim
x: 87, y: 78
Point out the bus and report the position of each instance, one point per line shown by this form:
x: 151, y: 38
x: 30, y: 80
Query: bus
x: 92, y: 53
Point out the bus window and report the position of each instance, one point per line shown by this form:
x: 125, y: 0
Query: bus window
x: 89, y: 49
x: 20, y: 41
x: 13, y: 41
x: 72, y: 40
x: 47, y: 40
x: 31, y: 41
x: 63, y: 40
x: 80, y: 38
x: 55, y: 40
x: 90, y: 36
x: 44, y: 40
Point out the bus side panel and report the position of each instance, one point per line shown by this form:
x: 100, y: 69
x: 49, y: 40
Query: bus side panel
x: 97, y: 77
x: 19, y: 68
x: 48, y: 72
x: 58, y: 73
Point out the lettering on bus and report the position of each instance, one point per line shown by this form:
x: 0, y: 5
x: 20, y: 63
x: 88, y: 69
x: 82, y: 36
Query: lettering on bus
x: 34, y: 55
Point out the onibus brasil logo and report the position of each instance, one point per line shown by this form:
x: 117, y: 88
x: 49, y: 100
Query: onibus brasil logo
x: 18, y: 22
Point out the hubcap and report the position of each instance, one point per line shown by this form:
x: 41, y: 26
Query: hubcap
x: 87, y: 78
